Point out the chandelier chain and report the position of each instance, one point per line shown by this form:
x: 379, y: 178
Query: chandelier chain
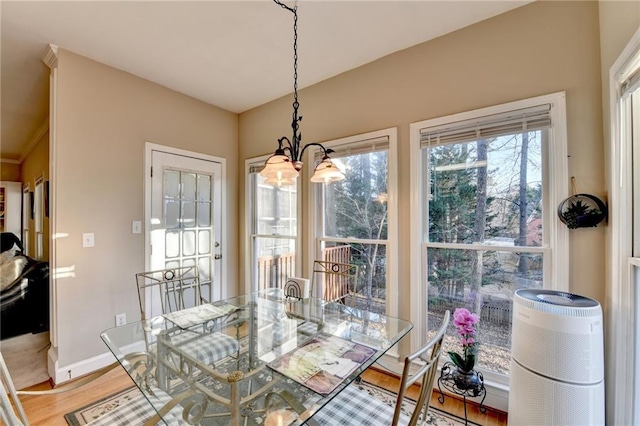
x: 297, y: 137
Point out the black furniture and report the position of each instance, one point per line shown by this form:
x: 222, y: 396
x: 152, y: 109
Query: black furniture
x: 24, y: 303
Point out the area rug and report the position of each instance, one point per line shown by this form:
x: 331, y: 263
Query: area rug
x: 84, y: 415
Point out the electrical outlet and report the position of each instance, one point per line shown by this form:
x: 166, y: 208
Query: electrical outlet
x: 121, y: 319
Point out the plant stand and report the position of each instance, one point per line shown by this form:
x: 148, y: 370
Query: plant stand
x: 448, y: 380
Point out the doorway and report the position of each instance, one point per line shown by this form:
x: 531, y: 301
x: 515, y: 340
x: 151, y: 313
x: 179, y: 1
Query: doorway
x: 184, y: 214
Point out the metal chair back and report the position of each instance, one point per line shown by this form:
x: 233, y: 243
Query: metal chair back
x: 169, y: 290
x: 429, y: 355
x: 335, y: 282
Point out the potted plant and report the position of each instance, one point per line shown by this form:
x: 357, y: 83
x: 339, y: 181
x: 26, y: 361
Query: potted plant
x: 465, y: 377
x: 582, y: 211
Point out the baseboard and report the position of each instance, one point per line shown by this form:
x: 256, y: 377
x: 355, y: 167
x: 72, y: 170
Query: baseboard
x: 73, y: 371
x: 87, y: 366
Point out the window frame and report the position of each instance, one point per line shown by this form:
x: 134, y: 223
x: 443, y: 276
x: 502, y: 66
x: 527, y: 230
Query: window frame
x: 316, y: 219
x: 250, y: 268
x: 555, y: 190
x: 620, y: 319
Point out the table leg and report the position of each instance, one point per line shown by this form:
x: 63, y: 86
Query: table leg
x: 235, y: 397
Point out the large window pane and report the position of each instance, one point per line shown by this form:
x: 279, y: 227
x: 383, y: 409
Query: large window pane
x: 483, y: 282
x: 275, y: 261
x: 371, y: 260
x: 486, y: 191
x: 274, y: 213
x: 356, y: 207
x: 275, y: 208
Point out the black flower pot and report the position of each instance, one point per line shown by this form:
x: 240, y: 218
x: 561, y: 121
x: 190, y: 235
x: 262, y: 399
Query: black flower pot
x: 466, y: 380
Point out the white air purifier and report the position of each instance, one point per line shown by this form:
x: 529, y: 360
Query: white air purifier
x: 557, y: 360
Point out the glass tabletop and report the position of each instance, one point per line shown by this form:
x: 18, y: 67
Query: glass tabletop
x: 247, y: 359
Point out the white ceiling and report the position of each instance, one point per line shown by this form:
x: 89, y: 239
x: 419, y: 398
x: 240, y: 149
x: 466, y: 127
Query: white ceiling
x: 233, y: 54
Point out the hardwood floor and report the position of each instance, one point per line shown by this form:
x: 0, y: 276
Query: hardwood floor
x: 451, y: 405
x: 49, y: 410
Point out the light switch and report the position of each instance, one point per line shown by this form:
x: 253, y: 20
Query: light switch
x: 136, y: 227
x: 88, y: 240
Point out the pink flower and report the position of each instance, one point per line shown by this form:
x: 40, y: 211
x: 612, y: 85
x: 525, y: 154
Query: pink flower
x: 465, y: 323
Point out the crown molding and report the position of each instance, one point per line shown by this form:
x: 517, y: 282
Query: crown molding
x: 50, y: 56
x: 9, y: 161
x: 42, y: 130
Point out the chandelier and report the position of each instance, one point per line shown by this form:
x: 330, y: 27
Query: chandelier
x: 283, y: 167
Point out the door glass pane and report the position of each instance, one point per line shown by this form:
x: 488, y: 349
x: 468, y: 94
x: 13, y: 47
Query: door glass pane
x: 172, y: 244
x: 456, y: 281
x: 204, y: 187
x: 356, y: 207
x: 204, y: 242
x: 171, y: 184
x: 204, y: 214
x: 487, y: 191
x: 188, y: 243
x: 188, y: 186
x: 204, y: 264
x: 171, y: 214
x: 188, y: 214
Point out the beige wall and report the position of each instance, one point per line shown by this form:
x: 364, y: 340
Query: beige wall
x: 537, y: 49
x: 36, y: 165
x: 104, y: 118
x: 9, y: 172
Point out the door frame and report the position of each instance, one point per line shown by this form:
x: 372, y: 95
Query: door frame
x: 620, y: 346
x: 149, y: 147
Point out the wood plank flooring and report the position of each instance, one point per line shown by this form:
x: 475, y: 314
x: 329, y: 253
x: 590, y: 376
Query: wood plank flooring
x: 49, y: 410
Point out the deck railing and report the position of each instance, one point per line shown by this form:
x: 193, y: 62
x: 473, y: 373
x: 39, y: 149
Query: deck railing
x: 273, y: 271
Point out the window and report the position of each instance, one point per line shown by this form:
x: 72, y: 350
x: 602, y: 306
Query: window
x: 489, y: 183
x: 354, y: 218
x: 273, y: 229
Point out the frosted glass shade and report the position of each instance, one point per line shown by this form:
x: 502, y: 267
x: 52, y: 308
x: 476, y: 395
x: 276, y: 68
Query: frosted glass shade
x: 279, y: 167
x: 327, y: 172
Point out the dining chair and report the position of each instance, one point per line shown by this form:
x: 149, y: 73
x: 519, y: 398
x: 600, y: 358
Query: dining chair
x: 334, y: 282
x: 169, y: 290
x: 137, y: 410
x: 355, y: 406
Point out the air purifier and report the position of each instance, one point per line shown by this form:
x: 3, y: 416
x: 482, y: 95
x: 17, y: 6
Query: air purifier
x: 557, y: 360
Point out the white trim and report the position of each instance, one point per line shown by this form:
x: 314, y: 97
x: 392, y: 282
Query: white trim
x: 53, y: 225
x: 557, y: 237
x: 149, y: 147
x: 620, y: 346
x: 86, y: 366
x: 77, y: 369
x: 392, y: 210
x: 50, y: 56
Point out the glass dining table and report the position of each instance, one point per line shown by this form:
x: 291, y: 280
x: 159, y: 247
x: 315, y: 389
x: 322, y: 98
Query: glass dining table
x: 290, y: 357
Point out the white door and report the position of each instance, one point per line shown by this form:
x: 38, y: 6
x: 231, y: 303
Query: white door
x: 186, y: 217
